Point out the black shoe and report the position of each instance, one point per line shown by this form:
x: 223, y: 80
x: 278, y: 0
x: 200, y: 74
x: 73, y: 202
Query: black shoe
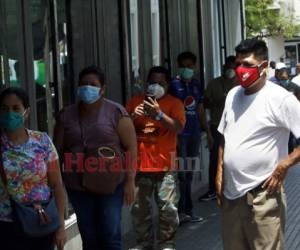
x: 183, y: 218
x: 208, y: 197
x: 195, y: 218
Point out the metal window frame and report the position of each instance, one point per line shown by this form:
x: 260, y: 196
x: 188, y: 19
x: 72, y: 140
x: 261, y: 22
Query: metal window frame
x: 221, y: 32
x: 57, y: 84
x: 26, y: 58
x: 242, y: 16
x: 145, y: 37
x: 201, y: 47
x: 165, y: 31
x: 126, y: 63
x: 224, y: 28
x: 70, y: 68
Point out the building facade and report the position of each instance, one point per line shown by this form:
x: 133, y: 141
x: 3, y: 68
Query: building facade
x: 45, y: 43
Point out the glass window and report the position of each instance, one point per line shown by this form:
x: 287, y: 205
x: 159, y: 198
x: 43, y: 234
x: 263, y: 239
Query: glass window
x: 216, y: 39
x: 48, y: 87
x: 298, y: 52
x: 291, y: 58
x: 42, y: 54
x: 10, y: 49
x: 155, y: 29
x: 67, y: 88
x: 134, y: 28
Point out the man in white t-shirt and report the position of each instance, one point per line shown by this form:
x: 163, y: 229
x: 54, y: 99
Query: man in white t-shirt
x: 253, y: 158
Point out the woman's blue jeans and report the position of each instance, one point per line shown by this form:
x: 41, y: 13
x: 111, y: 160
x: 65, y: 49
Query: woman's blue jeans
x: 99, y: 219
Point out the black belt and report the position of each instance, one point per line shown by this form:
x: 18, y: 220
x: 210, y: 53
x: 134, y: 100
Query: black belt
x: 257, y: 189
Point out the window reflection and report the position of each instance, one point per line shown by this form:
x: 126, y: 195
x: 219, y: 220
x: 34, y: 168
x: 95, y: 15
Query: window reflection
x: 39, y: 16
x: 64, y: 65
x: 46, y: 84
x: 155, y: 28
x: 9, y: 47
x: 134, y: 37
x: 291, y: 58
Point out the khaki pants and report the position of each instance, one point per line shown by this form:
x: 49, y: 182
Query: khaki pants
x: 163, y: 186
x: 259, y: 226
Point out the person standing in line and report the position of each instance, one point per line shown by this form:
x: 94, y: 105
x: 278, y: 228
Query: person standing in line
x: 271, y: 70
x: 214, y: 100
x: 188, y: 90
x: 30, y: 175
x: 158, y: 117
x: 95, y: 122
x: 253, y: 156
x: 280, y: 67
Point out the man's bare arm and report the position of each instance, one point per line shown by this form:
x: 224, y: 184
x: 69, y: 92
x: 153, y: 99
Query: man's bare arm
x: 219, y: 176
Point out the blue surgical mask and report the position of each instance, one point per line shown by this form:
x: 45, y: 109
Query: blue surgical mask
x: 186, y: 73
x: 11, y: 120
x: 88, y: 94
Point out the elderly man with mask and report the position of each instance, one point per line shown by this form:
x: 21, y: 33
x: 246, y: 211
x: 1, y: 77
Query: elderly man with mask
x: 214, y: 100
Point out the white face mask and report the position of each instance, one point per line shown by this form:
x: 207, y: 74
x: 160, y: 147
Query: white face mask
x: 157, y: 90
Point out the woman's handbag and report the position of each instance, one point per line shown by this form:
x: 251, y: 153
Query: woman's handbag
x: 37, y: 219
x: 106, y: 174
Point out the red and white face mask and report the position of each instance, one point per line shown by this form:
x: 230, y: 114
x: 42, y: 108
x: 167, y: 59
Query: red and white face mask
x: 248, y: 75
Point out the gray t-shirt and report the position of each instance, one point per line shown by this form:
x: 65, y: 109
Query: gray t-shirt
x: 92, y: 132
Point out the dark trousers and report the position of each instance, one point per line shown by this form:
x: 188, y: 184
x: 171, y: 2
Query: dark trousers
x: 12, y: 238
x: 213, y: 158
x: 188, y: 153
x: 99, y: 219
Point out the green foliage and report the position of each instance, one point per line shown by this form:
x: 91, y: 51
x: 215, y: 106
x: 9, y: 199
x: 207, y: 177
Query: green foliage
x: 261, y: 21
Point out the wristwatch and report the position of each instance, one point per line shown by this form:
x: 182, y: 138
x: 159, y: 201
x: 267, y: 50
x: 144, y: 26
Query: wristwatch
x: 159, y: 116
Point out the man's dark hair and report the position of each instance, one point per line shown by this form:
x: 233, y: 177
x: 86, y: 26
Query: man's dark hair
x: 187, y: 55
x: 254, y: 45
x: 95, y: 70
x: 20, y: 93
x: 273, y: 64
x: 159, y: 70
x: 229, y: 61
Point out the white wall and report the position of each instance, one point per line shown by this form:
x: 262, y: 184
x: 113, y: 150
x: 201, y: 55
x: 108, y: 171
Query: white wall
x: 276, y: 48
x: 293, y: 5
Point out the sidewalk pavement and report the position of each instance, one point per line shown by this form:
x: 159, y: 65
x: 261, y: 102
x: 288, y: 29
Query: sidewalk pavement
x: 207, y: 235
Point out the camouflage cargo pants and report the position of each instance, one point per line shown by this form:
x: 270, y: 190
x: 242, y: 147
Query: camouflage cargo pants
x: 163, y: 186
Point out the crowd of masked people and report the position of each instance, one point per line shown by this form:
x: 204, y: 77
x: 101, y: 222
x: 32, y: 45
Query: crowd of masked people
x: 279, y: 74
x: 156, y: 140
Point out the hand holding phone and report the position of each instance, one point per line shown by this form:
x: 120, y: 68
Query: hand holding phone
x: 147, y: 109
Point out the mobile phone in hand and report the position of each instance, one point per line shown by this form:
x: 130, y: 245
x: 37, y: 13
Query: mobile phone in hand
x: 146, y: 107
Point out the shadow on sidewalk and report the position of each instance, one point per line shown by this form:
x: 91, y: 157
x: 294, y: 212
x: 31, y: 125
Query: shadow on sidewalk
x: 195, y: 236
x: 207, y: 235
